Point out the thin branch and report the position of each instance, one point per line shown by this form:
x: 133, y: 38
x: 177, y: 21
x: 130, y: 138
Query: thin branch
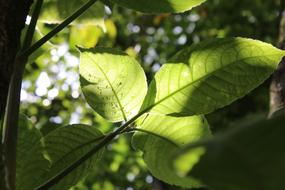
x: 1, y: 128
x: 20, y: 64
x: 58, y: 28
x: 31, y: 29
x: 78, y: 148
x: 124, y: 128
x: 3, y: 180
x: 54, y: 180
x: 10, y: 125
x: 277, y: 87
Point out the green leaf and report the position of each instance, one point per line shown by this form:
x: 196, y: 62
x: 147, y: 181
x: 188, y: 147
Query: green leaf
x: 84, y: 35
x: 163, y: 136
x: 56, y: 151
x: 40, y: 51
x: 250, y: 157
x: 211, y: 75
x: 113, y: 83
x: 28, y: 137
x: 159, y: 6
x: 54, y: 12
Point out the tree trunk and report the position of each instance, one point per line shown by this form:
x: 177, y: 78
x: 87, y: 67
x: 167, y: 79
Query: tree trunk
x: 3, y: 177
x: 277, y: 87
x: 13, y: 15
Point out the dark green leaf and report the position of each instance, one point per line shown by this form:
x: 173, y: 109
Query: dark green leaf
x: 56, y: 151
x: 28, y: 137
x: 251, y: 157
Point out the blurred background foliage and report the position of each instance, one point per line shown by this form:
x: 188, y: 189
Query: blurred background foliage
x: 51, y: 95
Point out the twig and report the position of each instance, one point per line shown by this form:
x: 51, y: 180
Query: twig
x: 58, y: 28
x: 10, y: 124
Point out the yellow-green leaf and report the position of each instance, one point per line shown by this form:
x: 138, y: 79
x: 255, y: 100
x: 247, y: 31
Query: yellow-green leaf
x: 55, y: 11
x: 113, y: 83
x: 163, y: 136
x: 159, y: 6
x: 211, y: 75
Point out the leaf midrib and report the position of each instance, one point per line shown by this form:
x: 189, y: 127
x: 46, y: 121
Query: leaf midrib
x: 75, y: 149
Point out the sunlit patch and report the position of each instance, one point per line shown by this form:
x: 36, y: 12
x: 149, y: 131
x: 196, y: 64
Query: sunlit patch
x: 46, y: 102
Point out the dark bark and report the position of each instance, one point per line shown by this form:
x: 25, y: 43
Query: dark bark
x: 277, y: 87
x: 13, y: 14
x: 12, y: 20
x: 3, y: 177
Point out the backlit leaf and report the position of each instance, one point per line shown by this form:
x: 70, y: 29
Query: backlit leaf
x: 211, y: 75
x: 159, y: 6
x: 113, y: 83
x: 55, y: 11
x: 163, y: 137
